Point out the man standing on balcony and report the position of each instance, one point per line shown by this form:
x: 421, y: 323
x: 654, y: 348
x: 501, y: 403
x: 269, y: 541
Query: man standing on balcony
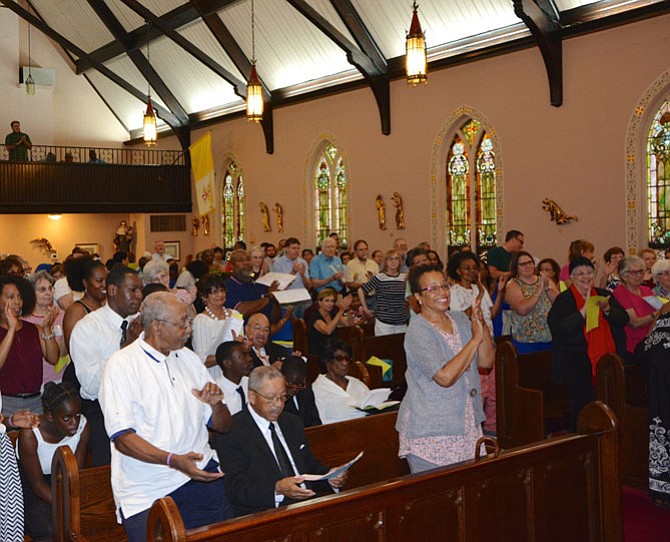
x: 17, y: 143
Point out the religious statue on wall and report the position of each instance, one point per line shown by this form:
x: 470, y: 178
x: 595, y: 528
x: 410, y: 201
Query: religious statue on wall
x: 381, y: 211
x: 205, y: 224
x: 123, y: 238
x: 280, y: 217
x: 556, y: 214
x: 399, y: 211
x: 266, y: 216
x: 195, y: 226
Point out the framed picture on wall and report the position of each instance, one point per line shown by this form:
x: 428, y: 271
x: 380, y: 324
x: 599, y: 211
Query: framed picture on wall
x: 172, y: 249
x: 91, y: 248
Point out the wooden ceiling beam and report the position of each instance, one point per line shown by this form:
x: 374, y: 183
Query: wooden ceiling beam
x: 542, y: 19
x: 163, y: 113
x: 138, y: 38
x: 140, y: 61
x: 186, y: 45
x: 369, y: 62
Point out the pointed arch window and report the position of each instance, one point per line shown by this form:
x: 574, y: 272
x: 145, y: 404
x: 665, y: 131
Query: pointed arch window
x: 658, y: 178
x: 233, y: 216
x: 471, y: 189
x: 331, y: 195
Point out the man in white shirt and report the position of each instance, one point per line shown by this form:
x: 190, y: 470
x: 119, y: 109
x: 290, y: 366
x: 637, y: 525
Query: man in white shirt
x: 157, y: 398
x: 235, y: 362
x: 95, y: 338
x: 159, y: 251
x: 254, y: 482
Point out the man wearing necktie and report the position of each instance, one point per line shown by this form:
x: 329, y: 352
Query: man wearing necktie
x: 235, y: 362
x: 95, y: 338
x: 266, y: 451
x: 263, y: 351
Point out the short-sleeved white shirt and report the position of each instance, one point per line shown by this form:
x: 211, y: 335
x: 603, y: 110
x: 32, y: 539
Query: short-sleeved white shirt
x: 143, y: 390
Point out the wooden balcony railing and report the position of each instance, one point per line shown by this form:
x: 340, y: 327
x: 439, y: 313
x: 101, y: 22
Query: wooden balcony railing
x: 129, y: 180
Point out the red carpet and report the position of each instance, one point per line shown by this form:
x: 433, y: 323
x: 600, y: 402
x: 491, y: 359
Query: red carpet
x: 643, y: 521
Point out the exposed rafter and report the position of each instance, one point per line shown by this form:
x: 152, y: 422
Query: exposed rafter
x: 243, y: 64
x: 140, y: 61
x: 542, y: 19
x: 370, y: 63
x: 187, y: 46
x: 137, y: 39
x: 163, y: 113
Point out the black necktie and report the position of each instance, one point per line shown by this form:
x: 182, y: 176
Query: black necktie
x: 282, y: 457
x: 241, y: 392
x: 124, y: 333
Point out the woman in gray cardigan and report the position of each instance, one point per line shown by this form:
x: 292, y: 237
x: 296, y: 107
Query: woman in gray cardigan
x: 440, y: 417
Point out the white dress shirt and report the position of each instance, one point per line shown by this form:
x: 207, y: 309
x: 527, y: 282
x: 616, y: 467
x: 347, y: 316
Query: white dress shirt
x: 335, y: 404
x: 152, y: 394
x: 230, y: 394
x: 94, y: 339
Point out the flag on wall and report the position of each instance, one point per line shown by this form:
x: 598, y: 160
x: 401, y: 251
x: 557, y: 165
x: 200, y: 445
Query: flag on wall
x: 202, y: 165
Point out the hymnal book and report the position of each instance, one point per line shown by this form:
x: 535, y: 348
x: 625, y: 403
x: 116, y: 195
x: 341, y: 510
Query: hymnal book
x: 377, y: 400
x: 334, y: 472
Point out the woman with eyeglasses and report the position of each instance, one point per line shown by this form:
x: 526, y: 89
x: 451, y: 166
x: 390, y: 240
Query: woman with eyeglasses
x: 440, y: 418
x: 530, y: 297
x: 661, y: 273
x: 391, y: 311
x: 337, y: 394
x: 631, y: 294
x: 584, y: 321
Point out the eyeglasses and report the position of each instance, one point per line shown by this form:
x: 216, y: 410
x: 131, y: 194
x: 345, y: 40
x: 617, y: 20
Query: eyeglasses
x: 583, y: 274
x: 273, y: 400
x: 524, y: 264
x: 636, y: 271
x: 342, y: 358
x: 184, y: 324
x: 436, y: 287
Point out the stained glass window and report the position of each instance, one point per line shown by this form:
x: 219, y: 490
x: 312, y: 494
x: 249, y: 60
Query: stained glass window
x: 471, y: 184
x: 232, y: 218
x: 331, y: 195
x: 658, y: 178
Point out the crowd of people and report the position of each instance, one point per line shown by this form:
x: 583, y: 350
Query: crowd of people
x: 176, y: 374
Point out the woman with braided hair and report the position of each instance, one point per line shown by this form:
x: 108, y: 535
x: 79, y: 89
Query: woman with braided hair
x: 61, y: 424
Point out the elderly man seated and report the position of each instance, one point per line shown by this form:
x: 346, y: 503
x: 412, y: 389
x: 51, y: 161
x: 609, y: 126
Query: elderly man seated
x: 266, y: 451
x: 263, y: 351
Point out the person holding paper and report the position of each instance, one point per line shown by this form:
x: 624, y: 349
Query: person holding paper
x: 291, y: 262
x: 338, y: 396
x: 584, y: 321
x: 631, y: 294
x: 266, y: 452
x: 440, y: 418
x: 216, y: 324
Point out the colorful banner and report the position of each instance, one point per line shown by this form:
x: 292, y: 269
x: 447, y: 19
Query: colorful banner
x: 202, y: 165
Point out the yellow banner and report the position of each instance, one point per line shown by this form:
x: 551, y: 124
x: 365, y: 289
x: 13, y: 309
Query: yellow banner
x: 202, y: 165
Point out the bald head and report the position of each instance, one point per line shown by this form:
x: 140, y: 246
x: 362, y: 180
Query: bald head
x: 258, y: 330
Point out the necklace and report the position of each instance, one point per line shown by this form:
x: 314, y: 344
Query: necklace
x: 226, y: 314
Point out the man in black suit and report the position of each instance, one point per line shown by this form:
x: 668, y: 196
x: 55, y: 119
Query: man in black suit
x: 266, y: 451
x: 263, y: 352
x: 300, y: 395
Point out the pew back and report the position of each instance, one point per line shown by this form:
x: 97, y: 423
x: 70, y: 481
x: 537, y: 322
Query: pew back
x: 555, y: 490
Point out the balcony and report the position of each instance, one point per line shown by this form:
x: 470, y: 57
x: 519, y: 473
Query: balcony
x: 68, y: 180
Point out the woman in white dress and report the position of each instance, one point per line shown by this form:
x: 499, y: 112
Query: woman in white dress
x: 216, y: 324
x: 337, y: 394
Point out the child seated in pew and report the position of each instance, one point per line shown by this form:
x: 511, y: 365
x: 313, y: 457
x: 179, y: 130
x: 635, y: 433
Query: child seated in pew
x: 60, y: 424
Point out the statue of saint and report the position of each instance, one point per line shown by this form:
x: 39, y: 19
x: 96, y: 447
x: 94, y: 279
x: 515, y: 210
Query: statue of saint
x: 381, y: 211
x: 280, y: 217
x: 399, y: 211
x: 266, y: 216
x: 205, y: 224
x: 123, y: 237
x: 195, y: 225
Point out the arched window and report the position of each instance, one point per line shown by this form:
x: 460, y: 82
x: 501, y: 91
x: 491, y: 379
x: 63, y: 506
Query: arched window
x: 232, y: 218
x: 658, y: 178
x: 471, y: 189
x: 331, y: 195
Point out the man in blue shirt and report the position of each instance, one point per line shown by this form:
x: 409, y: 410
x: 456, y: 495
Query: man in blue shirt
x: 292, y: 263
x: 326, y: 269
x: 242, y: 293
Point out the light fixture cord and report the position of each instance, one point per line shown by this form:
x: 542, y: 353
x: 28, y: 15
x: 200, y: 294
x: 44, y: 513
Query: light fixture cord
x: 148, y: 57
x: 253, y: 33
x: 29, y: 55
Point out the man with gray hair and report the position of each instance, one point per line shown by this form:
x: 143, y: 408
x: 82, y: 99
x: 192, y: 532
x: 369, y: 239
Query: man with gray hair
x: 158, y: 400
x: 326, y: 269
x: 266, y: 452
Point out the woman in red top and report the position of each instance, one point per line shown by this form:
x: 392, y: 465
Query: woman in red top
x: 22, y: 346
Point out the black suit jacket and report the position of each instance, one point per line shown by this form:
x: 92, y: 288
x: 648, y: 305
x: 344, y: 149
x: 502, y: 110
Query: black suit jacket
x: 273, y: 350
x: 306, y: 409
x: 250, y: 467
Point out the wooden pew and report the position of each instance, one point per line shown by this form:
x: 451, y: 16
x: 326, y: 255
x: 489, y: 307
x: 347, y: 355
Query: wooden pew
x: 566, y: 488
x: 84, y: 507
x: 386, y: 347
x: 526, y: 398
x: 624, y: 390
